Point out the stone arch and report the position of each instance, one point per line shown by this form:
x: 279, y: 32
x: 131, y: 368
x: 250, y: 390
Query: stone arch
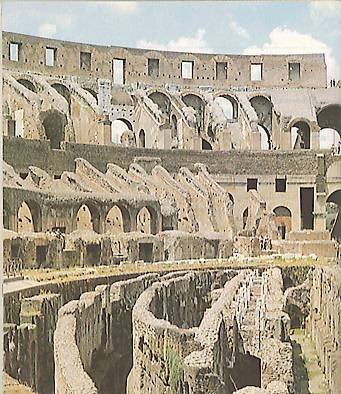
x: 333, y: 220
x: 29, y: 217
x: 117, y: 220
x: 93, y: 93
x: 300, y: 134
x: 63, y: 91
x: 162, y: 101
x: 142, y: 139
x: 146, y: 220
x: 265, y: 137
x: 87, y: 218
x: 263, y: 108
x: 143, y: 221
x: 198, y: 104
x: 283, y: 220
x: 54, y: 123
x: 329, y: 137
x: 118, y: 127
x: 205, y: 145
x: 28, y: 84
x: 330, y: 117
x: 229, y: 105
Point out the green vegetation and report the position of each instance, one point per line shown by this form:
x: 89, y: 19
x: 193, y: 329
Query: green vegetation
x: 74, y: 273
x: 175, y: 368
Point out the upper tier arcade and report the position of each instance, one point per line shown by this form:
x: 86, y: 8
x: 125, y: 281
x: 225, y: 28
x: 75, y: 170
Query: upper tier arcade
x: 56, y: 57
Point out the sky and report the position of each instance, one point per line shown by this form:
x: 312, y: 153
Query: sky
x: 249, y: 27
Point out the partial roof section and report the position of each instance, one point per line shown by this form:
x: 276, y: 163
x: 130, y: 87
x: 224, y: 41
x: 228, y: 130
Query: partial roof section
x: 56, y: 57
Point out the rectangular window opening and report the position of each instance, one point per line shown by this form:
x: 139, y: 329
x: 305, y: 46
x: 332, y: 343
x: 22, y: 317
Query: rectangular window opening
x: 85, y: 61
x: 307, y: 208
x: 50, y: 56
x: 153, y: 67
x: 221, y: 70
x: 118, y: 71
x: 14, y: 51
x: 294, y: 72
x: 252, y: 184
x: 256, y: 72
x: 187, y: 70
x: 281, y: 185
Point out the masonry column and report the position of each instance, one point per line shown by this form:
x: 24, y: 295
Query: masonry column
x: 314, y: 136
x: 104, y: 135
x: 320, y: 200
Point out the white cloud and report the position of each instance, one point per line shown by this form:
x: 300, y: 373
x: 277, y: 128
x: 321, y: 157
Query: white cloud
x: 320, y: 10
x: 64, y: 20
x: 119, y: 7
x: 181, y: 44
x: 47, y: 30
x: 237, y: 29
x: 286, y: 41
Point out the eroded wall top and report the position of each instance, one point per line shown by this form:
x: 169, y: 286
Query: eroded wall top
x: 55, y: 57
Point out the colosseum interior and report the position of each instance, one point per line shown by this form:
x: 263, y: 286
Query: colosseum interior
x: 171, y: 222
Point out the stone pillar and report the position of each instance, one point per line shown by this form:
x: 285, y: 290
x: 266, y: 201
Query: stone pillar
x: 314, y: 136
x: 255, y: 141
x: 320, y: 200
x: 104, y: 135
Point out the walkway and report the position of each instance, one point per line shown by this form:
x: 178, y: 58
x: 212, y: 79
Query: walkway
x: 19, y: 284
x: 309, y: 376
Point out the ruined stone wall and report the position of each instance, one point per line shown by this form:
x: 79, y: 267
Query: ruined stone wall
x: 23, y: 153
x: 169, y: 354
x: 88, y: 332
x: 29, y: 345
x: 324, y: 324
x: 275, y: 67
x: 163, y: 328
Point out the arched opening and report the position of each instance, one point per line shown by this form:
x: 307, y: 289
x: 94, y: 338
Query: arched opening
x: 174, y: 126
x: 93, y: 93
x: 163, y: 103
x: 144, y: 221
x: 265, y: 138
x: 117, y: 220
x: 245, y: 217
x: 263, y: 108
x: 297, y: 318
x: 142, y: 139
x: 118, y: 127
x: 300, y: 135
x: 246, y: 371
x: 29, y: 217
x: 205, y: 145
x: 282, y: 220
x: 54, y: 125
x: 329, y: 138
x: 87, y: 218
x: 28, y: 84
x: 229, y: 106
x: 196, y: 102
x: 333, y: 219
x: 330, y: 117
x: 63, y: 91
